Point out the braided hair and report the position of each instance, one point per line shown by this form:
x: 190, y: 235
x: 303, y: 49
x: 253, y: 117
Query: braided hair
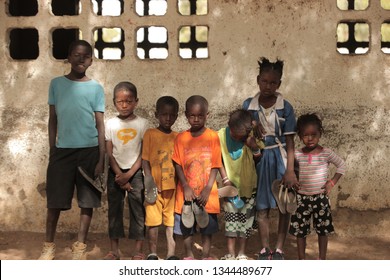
x: 265, y: 65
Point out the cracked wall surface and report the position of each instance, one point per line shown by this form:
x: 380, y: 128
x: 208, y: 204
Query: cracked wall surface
x: 351, y: 93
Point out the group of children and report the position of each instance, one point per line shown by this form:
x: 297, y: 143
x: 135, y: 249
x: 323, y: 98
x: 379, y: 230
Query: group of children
x: 169, y: 178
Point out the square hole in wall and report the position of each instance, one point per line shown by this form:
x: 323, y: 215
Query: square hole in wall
x: 192, y: 7
x: 193, y: 42
x: 107, y: 7
x: 109, y: 43
x: 24, y: 43
x: 61, y: 39
x: 66, y: 8
x: 353, y: 37
x: 385, y: 37
x: 356, y: 5
x: 22, y: 8
x: 385, y: 4
x: 151, y: 7
x: 152, y: 42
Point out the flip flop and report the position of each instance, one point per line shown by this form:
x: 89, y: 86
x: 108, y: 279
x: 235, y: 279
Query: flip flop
x: 291, y: 204
x: 237, y: 201
x: 201, y: 216
x: 280, y: 195
x: 187, y: 216
x: 227, y: 191
x: 150, y: 190
x: 100, y: 182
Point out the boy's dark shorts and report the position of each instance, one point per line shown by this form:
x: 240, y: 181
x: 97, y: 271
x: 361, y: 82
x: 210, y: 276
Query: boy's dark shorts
x: 316, y: 207
x: 211, y: 228
x: 63, y: 176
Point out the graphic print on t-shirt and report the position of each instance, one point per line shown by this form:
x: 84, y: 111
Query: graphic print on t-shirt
x: 126, y: 135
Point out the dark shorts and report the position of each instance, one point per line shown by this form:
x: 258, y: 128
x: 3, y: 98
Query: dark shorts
x: 63, y: 176
x: 116, y: 198
x: 211, y: 228
x: 316, y: 207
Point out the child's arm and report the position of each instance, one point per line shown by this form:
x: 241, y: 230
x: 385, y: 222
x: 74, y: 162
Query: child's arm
x: 114, y: 165
x: 189, y: 194
x: 99, y: 117
x: 123, y: 178
x: 340, y: 165
x: 52, y: 127
x: 205, y: 193
x: 146, y: 167
x: 289, y: 178
x: 225, y: 179
x: 331, y: 183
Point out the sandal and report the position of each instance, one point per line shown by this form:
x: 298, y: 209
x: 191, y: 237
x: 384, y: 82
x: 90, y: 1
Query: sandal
x: 138, y: 257
x: 187, y: 216
x: 100, y: 182
x: 150, y: 190
x: 111, y: 257
x: 228, y: 257
x: 236, y: 201
x: 152, y: 256
x: 242, y: 257
x: 280, y: 194
x: 201, y: 216
x: 227, y: 191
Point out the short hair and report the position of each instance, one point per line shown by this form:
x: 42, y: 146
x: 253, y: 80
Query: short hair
x: 265, y: 66
x: 76, y: 43
x: 125, y: 86
x: 197, y: 99
x: 307, y: 119
x: 240, y: 118
x: 167, y: 100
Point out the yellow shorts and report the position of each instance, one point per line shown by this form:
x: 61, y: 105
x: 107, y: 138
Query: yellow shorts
x: 161, y: 212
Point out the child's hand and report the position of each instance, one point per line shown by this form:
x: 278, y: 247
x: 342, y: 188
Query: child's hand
x: 189, y: 194
x: 126, y: 187
x: 328, y: 187
x: 204, y: 195
x: 99, y: 168
x: 121, y: 179
x: 258, y: 130
x: 251, y: 143
x: 290, y: 179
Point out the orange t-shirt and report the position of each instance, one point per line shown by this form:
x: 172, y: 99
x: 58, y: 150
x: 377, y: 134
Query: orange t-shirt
x: 197, y: 156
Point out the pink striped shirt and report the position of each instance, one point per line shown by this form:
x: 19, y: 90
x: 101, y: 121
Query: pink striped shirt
x: 314, y: 169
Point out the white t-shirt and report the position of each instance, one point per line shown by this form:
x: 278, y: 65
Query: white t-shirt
x: 126, y: 137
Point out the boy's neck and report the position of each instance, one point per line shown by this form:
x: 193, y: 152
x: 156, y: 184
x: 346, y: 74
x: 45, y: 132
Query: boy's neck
x: 127, y: 118
x: 198, y: 132
x: 77, y: 76
x: 164, y: 130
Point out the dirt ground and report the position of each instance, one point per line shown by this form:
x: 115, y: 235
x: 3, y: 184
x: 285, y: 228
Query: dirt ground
x: 27, y: 246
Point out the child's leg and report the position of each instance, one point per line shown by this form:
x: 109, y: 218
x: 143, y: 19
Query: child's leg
x: 263, y: 221
x: 242, y: 245
x: 284, y: 222
x: 114, y: 243
x: 301, y: 244
x: 85, y: 221
x: 187, y: 240
x: 153, y: 236
x: 231, y: 245
x: 171, y: 244
x: 206, y: 244
x: 322, y: 246
x: 53, y: 214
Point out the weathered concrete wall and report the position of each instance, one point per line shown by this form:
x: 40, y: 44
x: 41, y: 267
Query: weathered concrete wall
x: 350, y: 92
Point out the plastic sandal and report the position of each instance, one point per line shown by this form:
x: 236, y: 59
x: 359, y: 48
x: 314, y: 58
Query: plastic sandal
x: 280, y: 195
x: 111, y: 257
x: 100, y: 182
x: 187, y: 216
x: 152, y: 256
x: 138, y: 257
x: 201, y: 216
x: 242, y: 257
x: 150, y: 190
x: 228, y: 257
x: 237, y: 202
x: 227, y: 191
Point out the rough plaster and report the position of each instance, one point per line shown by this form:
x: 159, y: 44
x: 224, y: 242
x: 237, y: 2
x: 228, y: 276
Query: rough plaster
x: 349, y: 92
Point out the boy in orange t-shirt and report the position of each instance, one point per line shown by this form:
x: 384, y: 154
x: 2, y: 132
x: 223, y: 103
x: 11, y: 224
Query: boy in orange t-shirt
x: 197, y: 159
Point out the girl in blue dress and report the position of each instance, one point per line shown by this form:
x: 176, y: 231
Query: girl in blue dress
x: 276, y: 120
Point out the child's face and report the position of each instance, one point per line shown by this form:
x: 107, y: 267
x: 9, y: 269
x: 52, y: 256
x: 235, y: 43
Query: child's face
x: 166, y: 116
x: 240, y: 134
x: 80, y: 59
x: 269, y: 82
x: 310, y: 136
x: 197, y: 116
x: 125, y: 103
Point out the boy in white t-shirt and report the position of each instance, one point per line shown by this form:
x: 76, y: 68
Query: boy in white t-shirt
x: 124, y: 134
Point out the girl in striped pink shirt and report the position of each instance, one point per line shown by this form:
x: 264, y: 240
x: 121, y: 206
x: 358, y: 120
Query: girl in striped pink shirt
x: 314, y: 185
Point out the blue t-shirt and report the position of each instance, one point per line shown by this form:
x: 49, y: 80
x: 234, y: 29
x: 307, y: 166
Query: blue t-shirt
x: 75, y: 104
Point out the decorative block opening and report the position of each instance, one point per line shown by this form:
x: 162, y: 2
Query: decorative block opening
x: 385, y: 37
x: 22, y: 8
x: 193, y: 42
x: 353, y: 37
x: 151, y: 7
x: 355, y: 5
x: 61, y: 39
x: 385, y: 4
x: 24, y: 43
x: 109, y: 43
x: 152, y: 42
x: 192, y: 7
x: 66, y: 8
x: 107, y: 7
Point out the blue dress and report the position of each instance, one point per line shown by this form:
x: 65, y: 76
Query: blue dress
x: 278, y: 121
